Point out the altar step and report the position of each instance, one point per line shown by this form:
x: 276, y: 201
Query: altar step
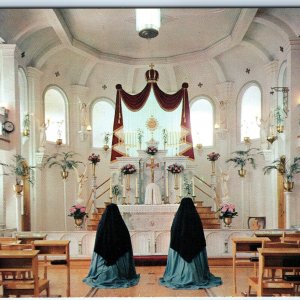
x: 208, y: 218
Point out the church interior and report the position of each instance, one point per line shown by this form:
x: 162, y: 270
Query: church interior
x: 97, y: 108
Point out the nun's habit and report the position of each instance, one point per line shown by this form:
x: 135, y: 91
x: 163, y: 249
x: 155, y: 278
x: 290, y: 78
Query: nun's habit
x: 112, y: 264
x: 187, y: 264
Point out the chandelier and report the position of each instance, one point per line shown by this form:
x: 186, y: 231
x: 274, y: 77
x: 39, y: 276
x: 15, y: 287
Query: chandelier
x: 147, y: 22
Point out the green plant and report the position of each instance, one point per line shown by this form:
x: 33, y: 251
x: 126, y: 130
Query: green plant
x: 116, y: 190
x: 106, y: 138
x: 279, y: 115
x: 19, y: 168
x: 140, y: 135
x: 241, y: 158
x: 165, y: 136
x: 187, y: 187
x: 63, y: 160
x: 288, y: 171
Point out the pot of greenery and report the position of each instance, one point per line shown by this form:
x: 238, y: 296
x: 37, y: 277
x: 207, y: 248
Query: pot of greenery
x: 106, y: 140
x: 279, y: 116
x: 286, y: 170
x: 241, y: 158
x: 20, y: 169
x: 64, y: 160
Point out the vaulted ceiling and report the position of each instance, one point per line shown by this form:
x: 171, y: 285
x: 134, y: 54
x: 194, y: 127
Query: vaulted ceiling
x: 85, y: 37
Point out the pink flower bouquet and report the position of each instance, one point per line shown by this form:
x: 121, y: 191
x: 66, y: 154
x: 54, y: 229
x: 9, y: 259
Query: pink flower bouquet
x: 213, y: 156
x: 78, y: 211
x: 227, y: 210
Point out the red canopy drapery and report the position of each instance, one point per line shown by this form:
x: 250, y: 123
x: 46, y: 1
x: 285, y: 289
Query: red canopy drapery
x: 167, y: 102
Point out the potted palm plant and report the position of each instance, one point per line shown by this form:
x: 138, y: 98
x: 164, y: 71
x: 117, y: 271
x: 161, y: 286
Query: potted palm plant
x: 241, y: 158
x: 20, y: 169
x: 286, y: 170
x: 64, y: 160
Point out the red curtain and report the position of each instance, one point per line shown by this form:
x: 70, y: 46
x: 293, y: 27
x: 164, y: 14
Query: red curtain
x: 167, y: 102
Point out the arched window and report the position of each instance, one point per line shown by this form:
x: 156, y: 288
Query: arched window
x: 103, y: 112
x: 202, y: 121
x: 250, y: 112
x: 55, y: 105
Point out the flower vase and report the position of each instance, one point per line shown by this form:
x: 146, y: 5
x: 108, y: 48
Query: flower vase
x: 78, y: 222
x: 213, y: 167
x: 18, y: 188
x: 288, y: 186
x: 64, y: 174
x: 227, y: 221
x: 127, y: 182
x: 176, y: 181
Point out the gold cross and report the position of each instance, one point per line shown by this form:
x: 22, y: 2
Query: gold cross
x: 151, y: 66
x: 152, y: 166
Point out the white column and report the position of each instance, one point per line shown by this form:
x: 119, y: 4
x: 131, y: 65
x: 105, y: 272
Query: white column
x: 289, y: 209
x: 19, y: 198
x: 36, y: 110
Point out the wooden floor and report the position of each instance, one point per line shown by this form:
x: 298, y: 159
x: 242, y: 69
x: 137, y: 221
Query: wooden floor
x: 148, y: 285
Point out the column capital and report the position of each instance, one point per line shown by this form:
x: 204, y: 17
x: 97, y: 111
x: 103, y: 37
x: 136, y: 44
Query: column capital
x: 271, y: 67
x: 79, y: 90
x: 8, y: 49
x: 34, y: 72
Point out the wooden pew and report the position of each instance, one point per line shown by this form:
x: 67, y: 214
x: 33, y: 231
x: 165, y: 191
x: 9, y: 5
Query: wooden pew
x: 275, y: 259
x: 20, y: 261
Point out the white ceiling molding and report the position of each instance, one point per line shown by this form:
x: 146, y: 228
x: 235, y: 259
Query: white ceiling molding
x: 277, y: 25
x: 86, y: 72
x: 258, y: 49
x: 47, y: 53
x: 27, y: 31
x: 60, y: 27
x: 218, y: 69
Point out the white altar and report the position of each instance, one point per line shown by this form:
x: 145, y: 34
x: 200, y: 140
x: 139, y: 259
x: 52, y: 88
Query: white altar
x: 150, y: 226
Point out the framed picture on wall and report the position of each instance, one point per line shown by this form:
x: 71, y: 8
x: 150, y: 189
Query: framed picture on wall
x: 256, y: 223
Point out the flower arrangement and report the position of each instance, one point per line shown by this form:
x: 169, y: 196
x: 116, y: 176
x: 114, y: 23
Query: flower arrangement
x: 165, y: 136
x: 140, y: 135
x: 128, y: 169
x: 78, y: 211
x: 116, y: 190
x: 213, y: 156
x: 94, y: 159
x: 175, y: 168
x: 152, y: 150
x: 227, y: 210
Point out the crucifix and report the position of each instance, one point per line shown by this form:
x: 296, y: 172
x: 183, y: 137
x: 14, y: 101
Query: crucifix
x: 152, y: 166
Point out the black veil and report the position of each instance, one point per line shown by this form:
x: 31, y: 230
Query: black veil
x: 112, y: 237
x: 187, y: 236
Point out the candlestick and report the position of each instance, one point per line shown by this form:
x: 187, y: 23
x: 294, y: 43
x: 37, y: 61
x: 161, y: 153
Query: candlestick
x: 180, y: 186
x: 193, y: 187
x: 124, y: 188
x: 167, y: 186
x: 136, y: 188
x: 110, y: 189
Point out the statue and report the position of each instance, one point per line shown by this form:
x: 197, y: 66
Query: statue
x: 224, y: 194
x: 43, y: 136
x: 81, y: 179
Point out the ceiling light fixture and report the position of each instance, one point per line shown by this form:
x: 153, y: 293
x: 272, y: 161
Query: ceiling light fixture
x: 148, y: 22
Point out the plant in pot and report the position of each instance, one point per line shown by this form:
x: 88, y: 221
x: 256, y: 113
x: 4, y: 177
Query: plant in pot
x: 106, y: 140
x: 64, y: 160
x: 279, y: 117
x: 241, y: 158
x: 20, y: 169
x: 286, y: 170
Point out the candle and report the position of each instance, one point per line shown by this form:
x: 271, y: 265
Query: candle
x: 136, y: 187
x: 110, y: 190
x: 124, y: 188
x: 167, y: 186
x: 180, y: 186
x: 193, y: 186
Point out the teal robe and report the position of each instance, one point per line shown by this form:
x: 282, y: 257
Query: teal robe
x: 180, y: 274
x: 122, y: 274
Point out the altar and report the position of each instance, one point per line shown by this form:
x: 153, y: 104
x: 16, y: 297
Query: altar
x: 149, y: 226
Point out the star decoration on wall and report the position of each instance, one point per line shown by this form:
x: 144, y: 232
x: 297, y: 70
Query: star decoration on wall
x: 200, y: 84
x: 104, y: 86
x: 247, y: 70
x: 23, y: 54
x: 281, y: 48
x: 272, y: 92
x: 57, y: 74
